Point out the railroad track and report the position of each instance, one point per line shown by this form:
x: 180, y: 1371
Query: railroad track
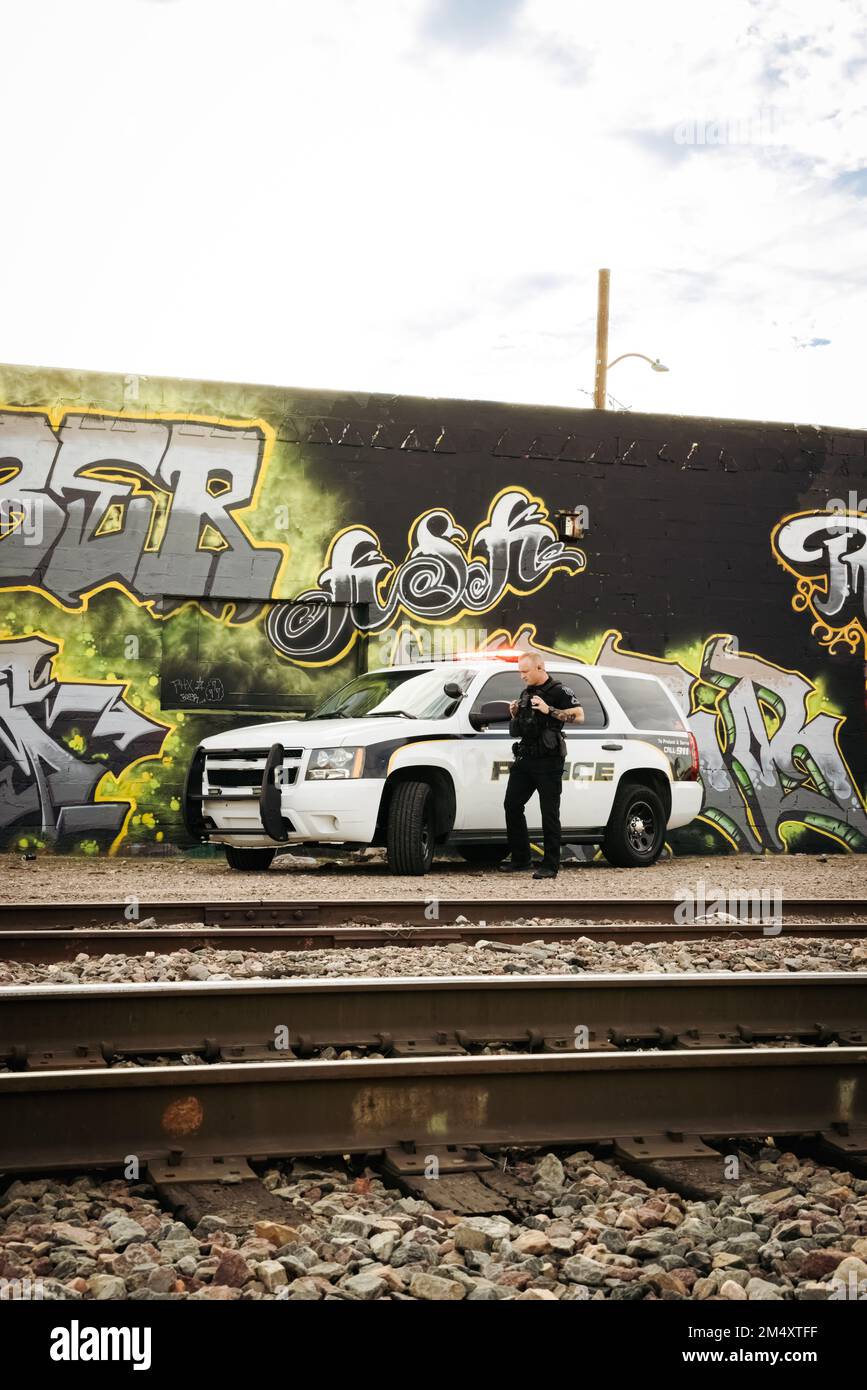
x: 95, y: 1026
x: 174, y: 1116
x: 51, y: 932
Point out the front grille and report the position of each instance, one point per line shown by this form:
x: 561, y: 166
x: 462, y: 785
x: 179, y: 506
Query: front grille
x: 240, y: 771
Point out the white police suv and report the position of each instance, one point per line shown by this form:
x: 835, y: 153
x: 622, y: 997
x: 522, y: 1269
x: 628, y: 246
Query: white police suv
x: 416, y: 758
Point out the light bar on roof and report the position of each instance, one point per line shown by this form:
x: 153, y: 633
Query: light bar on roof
x: 502, y: 654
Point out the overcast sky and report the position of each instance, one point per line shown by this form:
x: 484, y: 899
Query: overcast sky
x: 416, y: 195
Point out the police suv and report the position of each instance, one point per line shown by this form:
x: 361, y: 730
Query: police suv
x: 416, y: 758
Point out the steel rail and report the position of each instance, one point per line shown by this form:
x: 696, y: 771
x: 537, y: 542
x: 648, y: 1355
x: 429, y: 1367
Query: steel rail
x: 56, y: 1120
x: 430, y: 911
x: 56, y: 1025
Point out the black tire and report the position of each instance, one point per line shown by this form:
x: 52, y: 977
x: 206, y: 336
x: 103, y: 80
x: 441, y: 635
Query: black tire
x: 635, y: 835
x: 410, y: 832
x: 483, y: 854
x: 250, y: 860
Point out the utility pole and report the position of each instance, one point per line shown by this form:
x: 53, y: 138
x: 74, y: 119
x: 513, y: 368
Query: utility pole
x: 601, y: 381
x: 603, y: 366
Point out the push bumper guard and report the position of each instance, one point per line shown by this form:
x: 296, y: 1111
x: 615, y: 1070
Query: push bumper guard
x: 274, y: 823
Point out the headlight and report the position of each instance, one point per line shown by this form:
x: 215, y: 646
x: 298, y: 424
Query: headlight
x: 330, y: 764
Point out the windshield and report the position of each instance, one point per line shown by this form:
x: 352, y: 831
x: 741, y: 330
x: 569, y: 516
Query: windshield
x: 418, y: 694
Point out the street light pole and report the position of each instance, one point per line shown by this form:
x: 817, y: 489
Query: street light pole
x: 601, y: 380
x: 603, y: 366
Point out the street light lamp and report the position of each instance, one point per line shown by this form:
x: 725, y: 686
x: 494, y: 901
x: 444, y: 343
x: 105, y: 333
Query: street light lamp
x: 655, y: 363
x: 603, y: 366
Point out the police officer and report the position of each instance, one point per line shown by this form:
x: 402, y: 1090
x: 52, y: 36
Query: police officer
x: 537, y: 721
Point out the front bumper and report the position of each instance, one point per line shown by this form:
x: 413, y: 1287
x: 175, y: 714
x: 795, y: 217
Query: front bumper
x: 303, y: 812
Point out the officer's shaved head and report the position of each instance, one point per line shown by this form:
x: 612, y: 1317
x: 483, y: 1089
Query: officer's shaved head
x: 532, y: 668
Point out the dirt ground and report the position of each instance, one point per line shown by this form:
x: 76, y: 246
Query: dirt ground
x: 62, y: 878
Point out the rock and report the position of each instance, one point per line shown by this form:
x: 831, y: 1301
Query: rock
x: 732, y: 1226
x: 369, y: 1286
x: 351, y: 1224
x: 62, y: 1233
x: 729, y: 1289
x: 761, y: 1289
x: 549, y: 1172
x: 232, y: 1270
x: 104, y: 1286
x: 161, y: 1279
x: 382, y: 1244
x: 537, y: 1296
x: 792, y: 1230
x: 579, y: 1270
x: 533, y: 1243
x: 812, y: 1292
x: 174, y: 1251
x: 723, y: 1258
x: 434, y: 1289
x: 852, y: 1270
x: 468, y: 1237
x: 668, y: 1283
x: 272, y: 1274
x: 126, y: 1232
x: 302, y: 1289
x: 497, y: 1227
x: 208, y: 1225
x: 815, y: 1264
x: 275, y: 1233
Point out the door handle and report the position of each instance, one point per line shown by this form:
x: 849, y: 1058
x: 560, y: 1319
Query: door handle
x: 612, y: 747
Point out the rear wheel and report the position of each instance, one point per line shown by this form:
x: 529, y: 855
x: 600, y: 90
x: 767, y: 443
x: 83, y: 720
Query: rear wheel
x: 410, y: 832
x: 636, y: 829
x: 483, y: 854
x: 249, y: 859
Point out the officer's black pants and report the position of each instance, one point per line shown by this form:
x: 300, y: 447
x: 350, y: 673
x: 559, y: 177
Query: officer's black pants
x: 526, y: 776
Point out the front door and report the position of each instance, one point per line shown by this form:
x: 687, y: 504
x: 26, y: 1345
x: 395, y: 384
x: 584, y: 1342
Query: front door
x: 589, y: 776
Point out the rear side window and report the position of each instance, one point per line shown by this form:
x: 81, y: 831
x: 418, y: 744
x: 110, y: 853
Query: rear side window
x: 594, y: 715
x: 645, y: 704
x: 507, y: 685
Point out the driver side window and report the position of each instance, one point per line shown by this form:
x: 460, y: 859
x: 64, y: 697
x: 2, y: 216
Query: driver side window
x: 506, y: 685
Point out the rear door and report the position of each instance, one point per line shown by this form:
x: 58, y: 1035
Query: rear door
x: 593, y: 759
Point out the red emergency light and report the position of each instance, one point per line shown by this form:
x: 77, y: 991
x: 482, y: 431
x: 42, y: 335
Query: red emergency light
x: 503, y: 654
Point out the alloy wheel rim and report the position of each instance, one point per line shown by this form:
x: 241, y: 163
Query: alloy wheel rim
x: 641, y: 827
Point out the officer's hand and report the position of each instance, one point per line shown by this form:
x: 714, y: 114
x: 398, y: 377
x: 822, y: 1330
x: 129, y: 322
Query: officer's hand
x: 538, y: 703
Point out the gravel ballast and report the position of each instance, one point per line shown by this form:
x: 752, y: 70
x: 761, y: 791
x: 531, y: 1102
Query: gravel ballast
x: 582, y: 1229
x: 68, y: 878
x: 577, y: 957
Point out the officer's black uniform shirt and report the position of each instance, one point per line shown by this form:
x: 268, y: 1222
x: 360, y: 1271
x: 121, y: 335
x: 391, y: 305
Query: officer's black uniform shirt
x: 558, y: 697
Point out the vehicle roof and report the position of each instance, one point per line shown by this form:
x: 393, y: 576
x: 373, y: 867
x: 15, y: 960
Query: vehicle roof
x: 580, y: 668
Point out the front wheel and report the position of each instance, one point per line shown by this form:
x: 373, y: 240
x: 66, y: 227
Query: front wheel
x: 636, y: 828
x: 249, y: 859
x: 410, y: 832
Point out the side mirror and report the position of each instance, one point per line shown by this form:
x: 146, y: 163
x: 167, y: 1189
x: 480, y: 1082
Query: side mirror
x: 453, y: 690
x: 494, y: 712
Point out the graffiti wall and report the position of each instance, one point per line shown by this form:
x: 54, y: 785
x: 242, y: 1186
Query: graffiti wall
x: 178, y: 556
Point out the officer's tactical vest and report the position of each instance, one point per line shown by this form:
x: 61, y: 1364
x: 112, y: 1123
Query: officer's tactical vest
x: 539, y: 735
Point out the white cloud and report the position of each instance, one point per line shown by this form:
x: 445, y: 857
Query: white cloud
x: 350, y: 194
